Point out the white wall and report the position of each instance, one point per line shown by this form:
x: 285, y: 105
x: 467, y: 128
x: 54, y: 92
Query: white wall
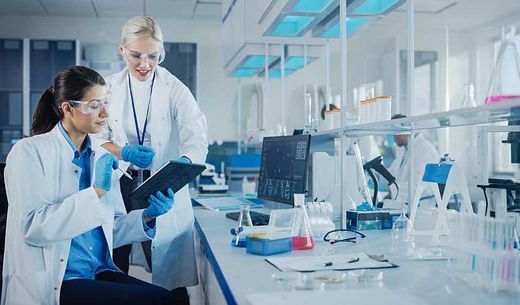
x: 215, y: 90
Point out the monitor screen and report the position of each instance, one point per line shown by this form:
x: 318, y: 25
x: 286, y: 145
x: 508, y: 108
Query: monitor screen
x: 283, y: 168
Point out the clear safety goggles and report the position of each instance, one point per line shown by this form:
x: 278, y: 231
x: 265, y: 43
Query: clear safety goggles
x: 138, y: 57
x: 93, y: 106
x: 343, y: 235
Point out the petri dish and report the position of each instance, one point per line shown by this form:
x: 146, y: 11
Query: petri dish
x: 331, y: 277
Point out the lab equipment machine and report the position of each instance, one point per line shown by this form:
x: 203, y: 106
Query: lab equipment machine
x: 211, y: 182
x: 376, y: 165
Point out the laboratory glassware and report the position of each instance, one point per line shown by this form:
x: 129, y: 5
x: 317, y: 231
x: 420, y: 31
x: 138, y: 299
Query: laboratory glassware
x: 244, y: 220
x: 469, y: 96
x: 302, y: 238
x: 403, y: 234
x: 505, y: 80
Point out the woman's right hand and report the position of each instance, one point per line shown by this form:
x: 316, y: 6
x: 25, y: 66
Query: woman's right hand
x: 138, y: 155
x: 103, y: 174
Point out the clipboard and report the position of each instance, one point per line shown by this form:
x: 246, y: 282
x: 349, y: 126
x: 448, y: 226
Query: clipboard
x: 173, y: 174
x: 331, y: 262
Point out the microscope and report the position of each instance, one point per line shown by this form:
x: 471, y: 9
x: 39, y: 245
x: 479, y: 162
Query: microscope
x: 505, y: 190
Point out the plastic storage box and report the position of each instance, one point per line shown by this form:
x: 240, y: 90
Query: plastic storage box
x: 263, y: 246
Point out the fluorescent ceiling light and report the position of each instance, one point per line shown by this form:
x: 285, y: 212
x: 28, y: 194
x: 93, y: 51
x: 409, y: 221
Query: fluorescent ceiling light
x: 257, y: 61
x: 244, y: 72
x: 374, y: 7
x: 311, y: 6
x: 353, y: 24
x: 292, y: 25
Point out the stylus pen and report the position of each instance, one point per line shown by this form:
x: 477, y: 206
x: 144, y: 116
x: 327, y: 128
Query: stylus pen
x: 125, y: 173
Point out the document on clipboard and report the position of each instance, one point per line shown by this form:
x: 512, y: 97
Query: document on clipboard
x: 173, y: 174
x: 331, y: 262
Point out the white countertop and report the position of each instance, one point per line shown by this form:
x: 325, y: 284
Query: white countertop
x: 240, y: 274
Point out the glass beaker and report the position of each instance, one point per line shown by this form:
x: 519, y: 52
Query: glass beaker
x: 302, y: 238
x: 505, y: 80
x: 469, y: 96
x: 244, y: 220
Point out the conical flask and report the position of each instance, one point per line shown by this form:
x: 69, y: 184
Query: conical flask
x: 302, y: 238
x: 403, y: 235
x: 469, y: 96
x: 244, y: 220
x: 504, y: 84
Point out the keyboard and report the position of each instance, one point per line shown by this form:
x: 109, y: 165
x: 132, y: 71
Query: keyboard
x: 258, y: 219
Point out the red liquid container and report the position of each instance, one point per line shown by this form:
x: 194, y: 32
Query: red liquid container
x: 302, y: 243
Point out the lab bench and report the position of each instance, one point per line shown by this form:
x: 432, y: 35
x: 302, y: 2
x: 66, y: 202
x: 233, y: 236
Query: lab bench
x: 227, y: 275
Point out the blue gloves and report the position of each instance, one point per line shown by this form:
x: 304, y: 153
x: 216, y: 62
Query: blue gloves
x: 104, y: 167
x: 138, y: 155
x: 183, y: 160
x: 159, y: 204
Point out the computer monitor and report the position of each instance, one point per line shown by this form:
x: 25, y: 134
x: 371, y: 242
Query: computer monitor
x: 283, y: 168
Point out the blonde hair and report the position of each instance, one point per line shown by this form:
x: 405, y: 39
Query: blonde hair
x: 141, y: 26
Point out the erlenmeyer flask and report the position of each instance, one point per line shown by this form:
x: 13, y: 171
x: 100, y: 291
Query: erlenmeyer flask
x: 402, y: 235
x: 244, y: 220
x: 505, y: 80
x: 302, y: 238
x: 469, y: 96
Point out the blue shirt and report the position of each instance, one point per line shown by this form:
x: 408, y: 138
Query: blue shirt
x: 88, y: 254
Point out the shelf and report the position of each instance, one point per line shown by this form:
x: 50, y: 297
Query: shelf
x: 327, y: 134
x: 484, y: 114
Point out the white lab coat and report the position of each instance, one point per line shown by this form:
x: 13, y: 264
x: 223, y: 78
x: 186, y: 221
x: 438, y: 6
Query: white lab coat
x: 177, y: 128
x: 46, y: 210
x: 424, y: 152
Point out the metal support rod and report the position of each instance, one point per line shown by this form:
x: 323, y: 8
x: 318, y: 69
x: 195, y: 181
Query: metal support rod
x: 305, y: 72
x: 265, y: 99
x: 410, y: 94
x: 26, y: 85
x: 327, y: 75
x: 282, y: 65
x: 343, y: 149
x: 239, y: 116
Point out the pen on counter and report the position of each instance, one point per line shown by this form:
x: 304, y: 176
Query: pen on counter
x: 125, y: 173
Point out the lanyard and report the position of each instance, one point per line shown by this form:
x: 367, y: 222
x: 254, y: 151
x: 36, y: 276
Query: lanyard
x: 140, y: 139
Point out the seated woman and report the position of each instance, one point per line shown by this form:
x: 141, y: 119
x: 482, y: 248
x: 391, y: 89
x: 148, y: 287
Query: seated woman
x: 65, y: 210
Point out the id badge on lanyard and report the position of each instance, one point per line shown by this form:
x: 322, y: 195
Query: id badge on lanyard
x: 140, y: 137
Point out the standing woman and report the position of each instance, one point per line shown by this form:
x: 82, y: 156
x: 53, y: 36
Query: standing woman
x: 65, y: 210
x: 154, y: 119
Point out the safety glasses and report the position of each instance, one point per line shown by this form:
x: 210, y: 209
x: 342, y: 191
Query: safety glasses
x: 343, y: 235
x: 93, y: 106
x: 136, y: 57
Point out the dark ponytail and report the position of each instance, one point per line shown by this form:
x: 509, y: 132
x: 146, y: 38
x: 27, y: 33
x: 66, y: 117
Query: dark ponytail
x: 71, y: 83
x: 47, y: 114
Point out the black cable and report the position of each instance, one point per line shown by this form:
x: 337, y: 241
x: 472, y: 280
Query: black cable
x: 397, y: 188
x: 376, y: 186
x: 485, y: 196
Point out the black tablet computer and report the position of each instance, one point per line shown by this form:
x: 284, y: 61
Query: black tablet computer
x: 173, y: 174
